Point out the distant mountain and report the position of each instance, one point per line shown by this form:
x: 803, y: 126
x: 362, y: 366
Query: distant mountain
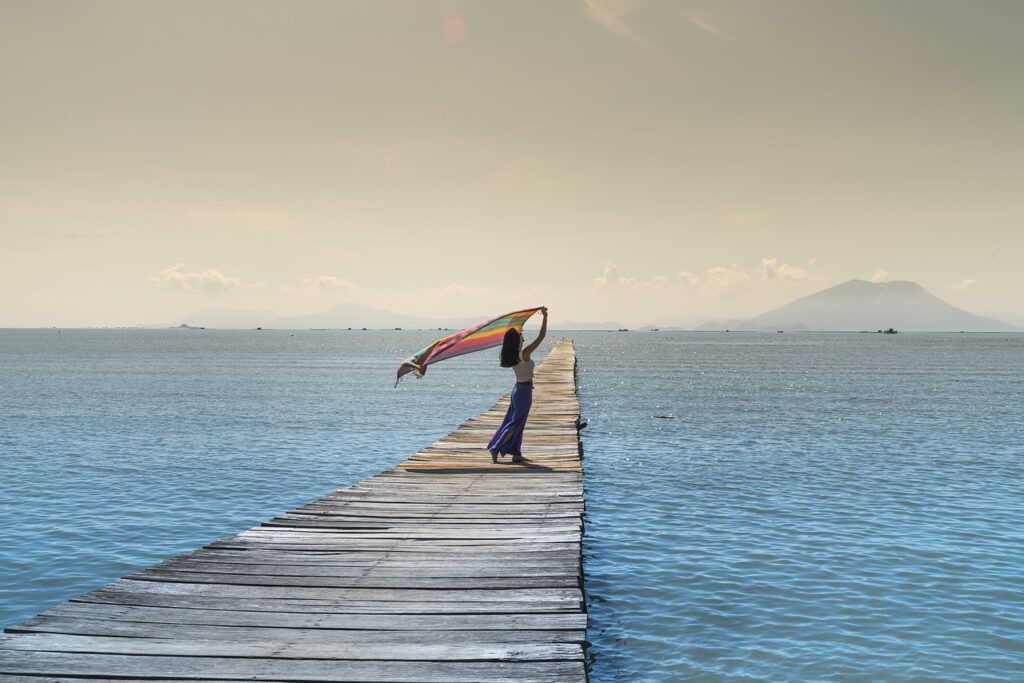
x: 858, y: 305
x: 341, y: 316
x: 716, y: 326
x: 227, y: 318
x: 677, y: 322
x: 352, y: 314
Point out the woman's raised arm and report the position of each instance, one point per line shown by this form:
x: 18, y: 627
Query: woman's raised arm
x: 540, y: 336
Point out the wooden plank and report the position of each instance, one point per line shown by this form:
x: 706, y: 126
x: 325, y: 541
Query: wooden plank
x: 510, y: 652
x: 446, y: 548
x: 407, y: 580
x: 140, y: 629
x: 502, y: 595
x: 374, y: 557
x: 271, y: 558
x: 322, y: 606
x: 444, y: 568
x: 453, y: 570
x: 265, y: 669
x: 338, y: 620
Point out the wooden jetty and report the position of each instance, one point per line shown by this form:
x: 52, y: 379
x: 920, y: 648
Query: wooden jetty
x: 446, y: 569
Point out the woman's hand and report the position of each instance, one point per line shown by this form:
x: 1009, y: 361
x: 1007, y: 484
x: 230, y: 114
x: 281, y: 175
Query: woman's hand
x: 544, y: 310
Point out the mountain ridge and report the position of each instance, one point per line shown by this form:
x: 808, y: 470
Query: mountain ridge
x: 859, y: 305
x: 854, y: 305
x: 342, y: 315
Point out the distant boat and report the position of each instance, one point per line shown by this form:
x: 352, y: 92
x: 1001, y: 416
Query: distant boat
x: 399, y: 329
x: 891, y: 330
x: 623, y: 329
x: 655, y: 329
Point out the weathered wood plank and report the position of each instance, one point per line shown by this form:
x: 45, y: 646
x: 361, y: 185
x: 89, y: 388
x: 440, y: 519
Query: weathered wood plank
x: 321, y: 606
x: 138, y: 629
x: 501, y: 595
x: 260, y: 558
x: 339, y: 620
x: 264, y: 669
x: 510, y: 652
x: 453, y: 570
x: 408, y: 580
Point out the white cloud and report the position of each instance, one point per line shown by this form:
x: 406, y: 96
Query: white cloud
x: 689, y: 280
x: 333, y: 283
x: 881, y: 276
x: 211, y: 282
x: 965, y: 285
x: 612, y: 277
x: 712, y: 283
x: 722, y: 279
x: 773, y: 269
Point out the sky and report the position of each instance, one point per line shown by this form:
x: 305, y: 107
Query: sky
x: 616, y: 160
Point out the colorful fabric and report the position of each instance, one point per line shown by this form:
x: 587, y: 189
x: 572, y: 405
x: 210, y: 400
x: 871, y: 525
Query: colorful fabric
x: 477, y: 338
x: 508, y: 439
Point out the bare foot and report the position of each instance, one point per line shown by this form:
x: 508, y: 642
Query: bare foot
x: 518, y: 458
x: 494, y: 457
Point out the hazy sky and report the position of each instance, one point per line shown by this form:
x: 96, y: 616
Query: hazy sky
x: 615, y: 160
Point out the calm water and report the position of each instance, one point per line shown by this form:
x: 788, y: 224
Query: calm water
x: 811, y: 508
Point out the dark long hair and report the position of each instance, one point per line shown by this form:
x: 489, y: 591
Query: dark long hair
x: 510, y: 348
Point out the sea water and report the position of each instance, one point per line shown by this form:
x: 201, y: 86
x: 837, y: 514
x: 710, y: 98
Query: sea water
x: 760, y: 507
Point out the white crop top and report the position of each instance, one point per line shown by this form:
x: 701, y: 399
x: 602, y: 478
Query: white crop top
x: 524, y: 371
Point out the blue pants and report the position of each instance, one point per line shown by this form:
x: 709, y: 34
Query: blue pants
x: 508, y: 440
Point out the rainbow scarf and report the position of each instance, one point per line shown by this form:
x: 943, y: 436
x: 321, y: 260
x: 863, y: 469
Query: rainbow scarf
x: 477, y: 338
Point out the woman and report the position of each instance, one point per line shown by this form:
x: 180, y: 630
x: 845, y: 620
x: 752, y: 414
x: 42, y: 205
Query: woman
x: 509, y: 437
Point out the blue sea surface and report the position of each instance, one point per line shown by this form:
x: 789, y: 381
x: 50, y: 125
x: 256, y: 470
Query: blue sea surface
x: 760, y: 507
x: 819, y: 507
